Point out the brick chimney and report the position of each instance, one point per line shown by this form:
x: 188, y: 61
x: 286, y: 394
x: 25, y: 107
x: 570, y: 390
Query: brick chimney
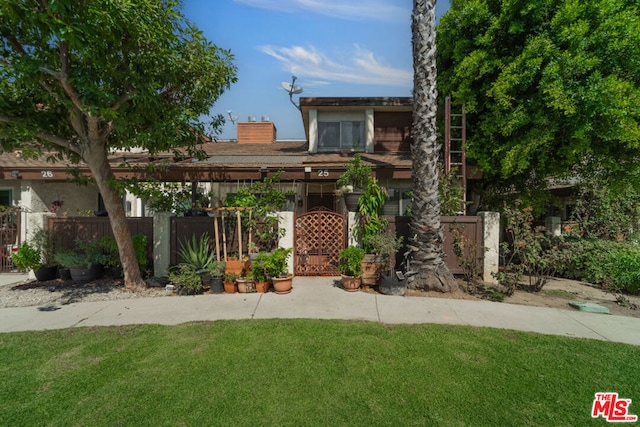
x: 253, y: 132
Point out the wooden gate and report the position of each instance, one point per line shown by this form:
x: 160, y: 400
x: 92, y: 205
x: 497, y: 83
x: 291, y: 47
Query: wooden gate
x: 9, y: 237
x: 319, y: 236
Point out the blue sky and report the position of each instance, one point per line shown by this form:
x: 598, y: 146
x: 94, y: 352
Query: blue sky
x: 333, y: 47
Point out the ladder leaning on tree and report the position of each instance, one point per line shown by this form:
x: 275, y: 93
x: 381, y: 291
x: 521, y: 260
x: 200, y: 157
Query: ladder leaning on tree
x: 455, y: 137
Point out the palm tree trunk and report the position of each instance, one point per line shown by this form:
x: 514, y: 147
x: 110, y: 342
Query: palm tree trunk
x: 426, y: 249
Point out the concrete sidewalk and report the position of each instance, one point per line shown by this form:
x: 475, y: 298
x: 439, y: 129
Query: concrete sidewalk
x: 319, y: 298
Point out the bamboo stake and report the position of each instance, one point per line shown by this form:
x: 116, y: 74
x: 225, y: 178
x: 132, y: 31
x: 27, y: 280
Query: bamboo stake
x: 239, y: 216
x: 224, y: 237
x: 249, y: 244
x: 217, y: 235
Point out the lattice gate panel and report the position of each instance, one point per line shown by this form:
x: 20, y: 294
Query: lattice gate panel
x: 319, y: 236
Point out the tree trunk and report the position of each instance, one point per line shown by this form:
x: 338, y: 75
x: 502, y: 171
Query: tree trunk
x: 97, y: 161
x: 426, y: 245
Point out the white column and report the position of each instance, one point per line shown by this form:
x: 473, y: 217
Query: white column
x: 369, y: 130
x: 313, y: 131
x: 161, y: 243
x: 286, y: 221
x: 491, y: 243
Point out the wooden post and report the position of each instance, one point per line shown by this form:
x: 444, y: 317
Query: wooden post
x: 224, y: 237
x: 239, y: 216
x: 216, y: 234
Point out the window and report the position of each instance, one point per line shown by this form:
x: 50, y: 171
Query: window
x: 6, y: 197
x: 340, y: 135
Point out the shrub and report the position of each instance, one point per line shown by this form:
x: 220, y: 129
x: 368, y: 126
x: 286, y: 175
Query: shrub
x: 350, y: 261
x: 187, y: 281
x: 528, y: 251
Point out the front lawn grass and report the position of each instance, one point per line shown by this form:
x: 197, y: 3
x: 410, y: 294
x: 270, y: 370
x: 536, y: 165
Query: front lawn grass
x: 307, y: 372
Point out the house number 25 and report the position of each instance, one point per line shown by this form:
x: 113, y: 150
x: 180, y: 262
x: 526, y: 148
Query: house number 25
x: 323, y: 172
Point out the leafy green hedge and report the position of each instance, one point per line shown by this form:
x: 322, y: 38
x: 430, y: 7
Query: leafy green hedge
x: 610, y: 264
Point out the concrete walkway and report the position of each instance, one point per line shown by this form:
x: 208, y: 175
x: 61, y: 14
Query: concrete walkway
x: 319, y: 298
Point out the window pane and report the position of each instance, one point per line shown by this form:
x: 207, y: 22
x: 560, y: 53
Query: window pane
x: 328, y: 135
x: 353, y: 135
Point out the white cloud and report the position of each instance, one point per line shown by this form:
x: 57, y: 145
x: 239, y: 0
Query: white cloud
x: 379, y: 10
x: 361, y: 66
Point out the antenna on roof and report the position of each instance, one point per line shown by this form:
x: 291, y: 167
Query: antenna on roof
x: 292, y: 89
x: 233, y: 118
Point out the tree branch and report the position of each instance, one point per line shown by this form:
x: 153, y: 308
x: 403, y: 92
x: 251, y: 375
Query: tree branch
x: 60, y: 142
x: 127, y: 96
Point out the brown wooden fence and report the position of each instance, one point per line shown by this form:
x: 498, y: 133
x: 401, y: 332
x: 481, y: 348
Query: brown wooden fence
x: 470, y: 226
x: 69, y: 229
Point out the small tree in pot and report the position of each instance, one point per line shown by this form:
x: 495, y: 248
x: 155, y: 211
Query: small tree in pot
x: 350, y: 266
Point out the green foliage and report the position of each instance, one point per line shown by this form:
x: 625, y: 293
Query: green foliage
x: 266, y: 199
x: 84, y: 254
x: 612, y: 265
x: 604, y: 210
x: 27, y: 257
x: 527, y: 251
x: 350, y: 261
x: 547, y: 86
x: 197, y: 252
x: 112, y: 255
x: 384, y: 244
x: 186, y: 279
x: 465, y: 249
x: 370, y: 219
x: 356, y: 174
x: 450, y: 193
x: 274, y: 264
x: 216, y: 268
x: 230, y: 277
x: 44, y: 240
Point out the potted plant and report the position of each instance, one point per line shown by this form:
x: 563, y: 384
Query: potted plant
x: 353, y: 181
x: 230, y: 284
x: 186, y: 280
x: 246, y: 284
x: 44, y: 240
x: 85, y: 261
x: 371, y: 226
x: 350, y: 266
x: 259, y: 273
x: 216, y: 271
x: 29, y: 257
x: 276, y: 268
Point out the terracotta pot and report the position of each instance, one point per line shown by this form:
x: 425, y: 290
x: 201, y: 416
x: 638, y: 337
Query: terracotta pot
x: 246, y: 286
x: 262, y: 287
x: 372, y: 265
x: 350, y: 283
x: 237, y: 267
x: 230, y: 287
x: 282, y: 285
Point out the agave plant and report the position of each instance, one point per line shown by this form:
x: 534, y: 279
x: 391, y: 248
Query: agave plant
x: 196, y: 253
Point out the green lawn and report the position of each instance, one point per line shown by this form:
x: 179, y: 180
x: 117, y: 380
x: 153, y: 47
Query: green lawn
x: 307, y: 372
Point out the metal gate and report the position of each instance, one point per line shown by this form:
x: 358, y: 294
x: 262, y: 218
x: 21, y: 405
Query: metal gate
x: 9, y: 237
x: 319, y: 235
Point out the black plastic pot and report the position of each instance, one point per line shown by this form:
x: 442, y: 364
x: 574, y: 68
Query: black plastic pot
x: 216, y: 285
x: 389, y: 284
x: 84, y: 274
x: 46, y: 273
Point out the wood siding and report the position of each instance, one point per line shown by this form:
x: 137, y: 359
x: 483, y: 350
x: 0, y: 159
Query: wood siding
x: 392, y: 131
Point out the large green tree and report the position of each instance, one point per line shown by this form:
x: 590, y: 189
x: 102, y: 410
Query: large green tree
x: 427, y: 244
x: 551, y: 87
x: 79, y: 79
